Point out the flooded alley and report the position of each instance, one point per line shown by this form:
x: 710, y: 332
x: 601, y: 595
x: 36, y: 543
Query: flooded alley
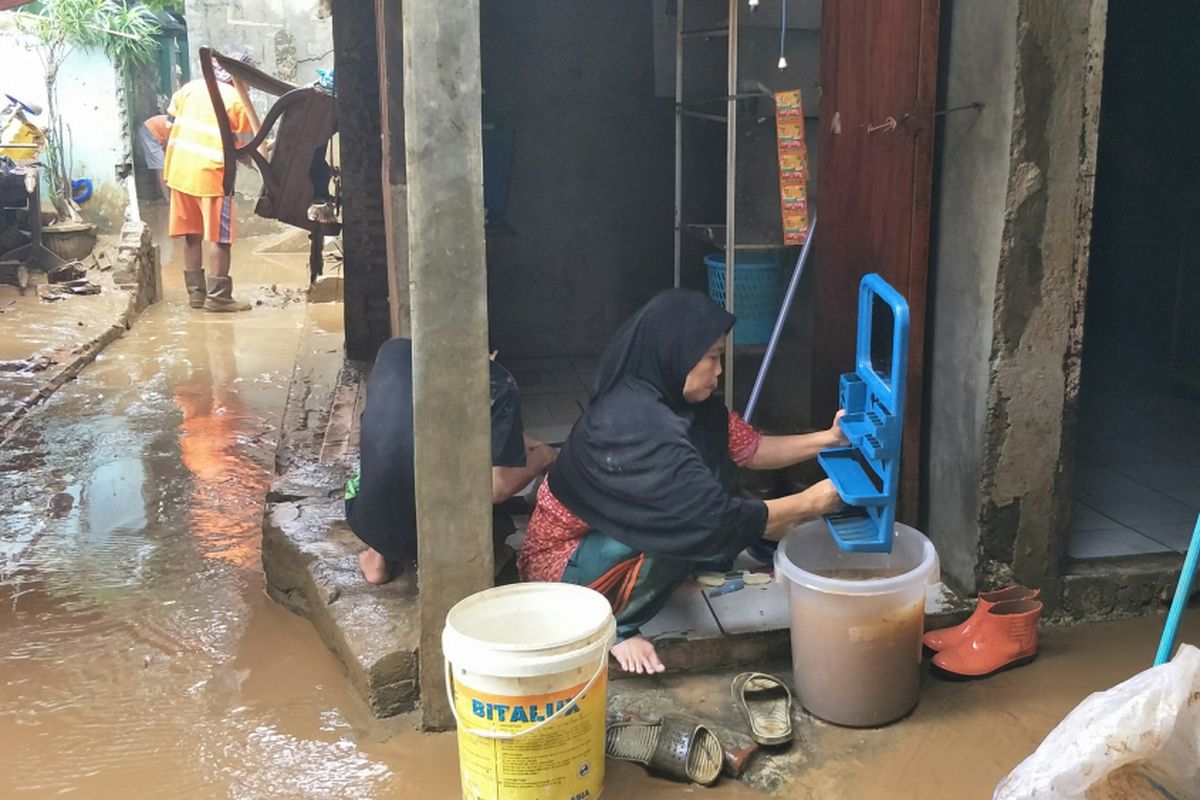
x: 981, y: 376
x: 138, y: 646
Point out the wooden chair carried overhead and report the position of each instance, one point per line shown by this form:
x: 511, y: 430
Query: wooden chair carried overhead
x: 306, y: 123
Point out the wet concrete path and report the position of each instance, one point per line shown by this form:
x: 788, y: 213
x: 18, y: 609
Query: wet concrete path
x: 138, y: 649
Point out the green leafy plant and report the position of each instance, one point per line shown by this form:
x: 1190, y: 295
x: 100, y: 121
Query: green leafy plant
x: 124, y: 32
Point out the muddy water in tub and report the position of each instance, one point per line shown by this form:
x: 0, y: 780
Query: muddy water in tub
x: 860, y: 662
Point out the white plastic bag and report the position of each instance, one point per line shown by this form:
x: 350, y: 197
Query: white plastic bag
x: 1139, y: 739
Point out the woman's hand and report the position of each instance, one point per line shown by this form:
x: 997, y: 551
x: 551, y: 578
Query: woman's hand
x: 815, y: 501
x: 836, y: 432
x: 824, y: 497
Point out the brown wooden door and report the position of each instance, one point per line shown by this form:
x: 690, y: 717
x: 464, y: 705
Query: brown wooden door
x: 878, y: 87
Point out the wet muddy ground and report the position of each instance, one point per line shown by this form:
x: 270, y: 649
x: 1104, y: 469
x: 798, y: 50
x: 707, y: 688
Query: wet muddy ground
x: 140, y: 656
x: 36, y: 336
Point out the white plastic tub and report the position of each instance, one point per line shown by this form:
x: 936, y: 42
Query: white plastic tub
x: 857, y: 620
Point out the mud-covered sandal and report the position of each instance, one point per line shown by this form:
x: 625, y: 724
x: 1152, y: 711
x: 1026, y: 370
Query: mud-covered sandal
x: 766, y: 703
x: 676, y: 747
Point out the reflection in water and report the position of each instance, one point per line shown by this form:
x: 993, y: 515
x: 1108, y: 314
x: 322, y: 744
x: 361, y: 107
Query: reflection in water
x: 211, y: 449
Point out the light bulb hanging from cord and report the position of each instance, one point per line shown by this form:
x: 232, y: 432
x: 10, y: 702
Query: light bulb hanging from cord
x: 783, y: 35
x: 754, y: 5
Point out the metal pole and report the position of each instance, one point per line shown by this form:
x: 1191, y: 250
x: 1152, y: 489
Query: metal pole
x: 761, y: 378
x: 731, y: 190
x: 443, y: 136
x: 679, y: 143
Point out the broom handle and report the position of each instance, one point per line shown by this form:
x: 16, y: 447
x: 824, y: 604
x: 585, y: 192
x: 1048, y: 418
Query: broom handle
x: 761, y: 378
x: 1186, y: 578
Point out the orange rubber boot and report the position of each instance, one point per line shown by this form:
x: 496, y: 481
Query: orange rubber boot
x: 943, y: 638
x: 1006, y: 636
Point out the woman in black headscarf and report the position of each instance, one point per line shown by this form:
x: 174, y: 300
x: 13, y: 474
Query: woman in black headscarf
x: 643, y: 487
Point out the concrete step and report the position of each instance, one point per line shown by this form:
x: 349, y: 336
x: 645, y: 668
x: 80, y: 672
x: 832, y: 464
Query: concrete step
x: 309, y: 556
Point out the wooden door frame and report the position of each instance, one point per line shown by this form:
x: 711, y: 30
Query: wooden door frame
x: 837, y: 301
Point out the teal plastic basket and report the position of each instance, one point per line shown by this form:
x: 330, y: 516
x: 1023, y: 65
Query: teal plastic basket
x: 758, y: 291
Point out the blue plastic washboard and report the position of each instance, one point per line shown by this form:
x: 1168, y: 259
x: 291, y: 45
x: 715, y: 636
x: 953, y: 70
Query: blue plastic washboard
x: 867, y: 473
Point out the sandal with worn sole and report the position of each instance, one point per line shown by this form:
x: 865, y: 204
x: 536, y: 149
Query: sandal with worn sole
x: 675, y: 746
x: 766, y: 703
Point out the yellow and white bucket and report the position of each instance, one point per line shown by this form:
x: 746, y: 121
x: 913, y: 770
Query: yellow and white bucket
x: 526, y: 670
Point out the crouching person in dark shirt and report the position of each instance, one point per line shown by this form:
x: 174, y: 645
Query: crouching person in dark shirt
x: 380, y: 499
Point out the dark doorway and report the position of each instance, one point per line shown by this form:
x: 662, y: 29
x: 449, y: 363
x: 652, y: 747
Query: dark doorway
x: 1137, y: 484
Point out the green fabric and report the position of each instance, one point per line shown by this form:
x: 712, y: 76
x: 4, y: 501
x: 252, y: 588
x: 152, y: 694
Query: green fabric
x: 352, y: 485
x: 658, y: 578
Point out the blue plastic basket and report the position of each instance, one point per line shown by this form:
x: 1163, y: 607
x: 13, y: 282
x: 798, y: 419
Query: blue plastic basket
x: 757, y: 293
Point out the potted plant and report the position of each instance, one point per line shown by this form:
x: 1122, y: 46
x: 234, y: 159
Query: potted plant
x: 124, y: 32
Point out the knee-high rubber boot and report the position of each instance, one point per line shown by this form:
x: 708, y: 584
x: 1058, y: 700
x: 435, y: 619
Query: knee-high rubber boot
x: 220, y: 296
x: 193, y: 279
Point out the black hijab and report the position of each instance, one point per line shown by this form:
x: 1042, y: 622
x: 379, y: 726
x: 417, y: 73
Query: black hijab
x: 643, y: 465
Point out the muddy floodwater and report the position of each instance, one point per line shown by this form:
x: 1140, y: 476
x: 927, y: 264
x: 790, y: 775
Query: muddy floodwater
x: 140, y: 656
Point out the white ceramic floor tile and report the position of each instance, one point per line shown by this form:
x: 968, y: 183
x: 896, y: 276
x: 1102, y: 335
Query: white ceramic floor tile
x: 1093, y: 480
x: 1115, y: 449
x: 585, y: 362
x: 550, y: 434
x: 752, y: 609
x: 1163, y: 475
x: 548, y: 381
x: 686, y: 614
x: 1189, y: 497
x: 1176, y: 445
x: 939, y: 597
x: 535, y: 413
x: 540, y: 411
x: 1086, y: 518
x: 1175, y: 535
x: 1143, y: 507
x: 515, y: 365
x: 1116, y: 542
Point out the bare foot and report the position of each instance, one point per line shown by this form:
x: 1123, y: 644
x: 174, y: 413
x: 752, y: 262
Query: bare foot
x: 637, y: 654
x: 374, y: 567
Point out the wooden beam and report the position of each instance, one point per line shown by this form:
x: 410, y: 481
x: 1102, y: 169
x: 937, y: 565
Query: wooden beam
x: 443, y: 138
x: 389, y: 42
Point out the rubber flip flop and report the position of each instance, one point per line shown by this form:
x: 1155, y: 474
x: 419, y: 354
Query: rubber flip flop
x: 766, y: 703
x: 675, y: 746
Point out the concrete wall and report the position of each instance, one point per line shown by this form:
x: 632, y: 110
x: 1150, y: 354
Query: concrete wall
x: 591, y: 200
x: 971, y: 176
x: 287, y: 38
x: 87, y: 89
x: 1036, y: 311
